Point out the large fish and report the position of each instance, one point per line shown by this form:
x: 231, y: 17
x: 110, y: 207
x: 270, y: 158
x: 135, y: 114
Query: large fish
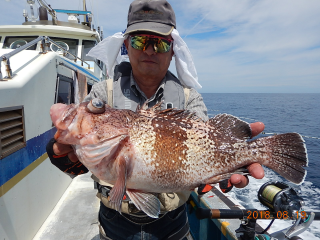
x: 151, y: 151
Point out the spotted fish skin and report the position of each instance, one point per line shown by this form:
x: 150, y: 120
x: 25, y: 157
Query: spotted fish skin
x: 153, y: 151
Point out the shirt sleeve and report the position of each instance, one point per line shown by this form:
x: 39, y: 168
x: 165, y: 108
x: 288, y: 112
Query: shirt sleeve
x: 195, y: 104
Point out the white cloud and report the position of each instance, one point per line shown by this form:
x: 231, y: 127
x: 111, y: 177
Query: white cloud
x: 258, y: 44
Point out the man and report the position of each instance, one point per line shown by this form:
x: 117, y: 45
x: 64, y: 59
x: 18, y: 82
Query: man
x: 149, y: 44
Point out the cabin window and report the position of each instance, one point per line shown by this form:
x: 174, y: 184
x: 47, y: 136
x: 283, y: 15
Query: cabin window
x: 87, y: 45
x: 64, y: 90
x: 12, y: 136
x: 15, y: 42
x: 67, y: 43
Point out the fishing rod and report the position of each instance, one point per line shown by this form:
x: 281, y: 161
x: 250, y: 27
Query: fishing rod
x: 282, y: 201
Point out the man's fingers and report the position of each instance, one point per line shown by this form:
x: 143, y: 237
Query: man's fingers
x: 60, y: 149
x: 239, y: 181
x: 256, y: 128
x: 256, y: 170
x: 73, y: 157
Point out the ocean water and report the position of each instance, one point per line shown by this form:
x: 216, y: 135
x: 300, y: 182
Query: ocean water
x: 280, y: 113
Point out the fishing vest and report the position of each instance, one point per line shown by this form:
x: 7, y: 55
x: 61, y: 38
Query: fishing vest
x: 122, y: 96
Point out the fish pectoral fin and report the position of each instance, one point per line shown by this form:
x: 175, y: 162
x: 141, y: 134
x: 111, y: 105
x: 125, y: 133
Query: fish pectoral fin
x: 219, y: 178
x: 147, y: 202
x: 92, y: 154
x: 117, y: 192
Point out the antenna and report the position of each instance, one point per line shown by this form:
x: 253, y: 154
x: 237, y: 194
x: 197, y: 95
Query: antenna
x: 101, y: 34
x: 84, y: 9
x: 25, y: 14
x: 33, y: 13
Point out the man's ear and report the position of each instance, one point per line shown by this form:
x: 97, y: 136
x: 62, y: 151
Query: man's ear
x: 126, y: 43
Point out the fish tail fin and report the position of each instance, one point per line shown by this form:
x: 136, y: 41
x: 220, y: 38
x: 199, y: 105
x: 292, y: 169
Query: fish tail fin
x: 286, y: 155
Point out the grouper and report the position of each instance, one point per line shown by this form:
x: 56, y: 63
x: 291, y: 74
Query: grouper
x: 152, y: 151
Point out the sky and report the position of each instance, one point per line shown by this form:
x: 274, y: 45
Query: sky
x: 238, y: 46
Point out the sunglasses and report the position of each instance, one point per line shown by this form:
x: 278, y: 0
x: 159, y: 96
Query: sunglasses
x: 142, y: 41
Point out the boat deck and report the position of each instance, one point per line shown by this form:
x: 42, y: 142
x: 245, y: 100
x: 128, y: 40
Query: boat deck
x: 75, y: 215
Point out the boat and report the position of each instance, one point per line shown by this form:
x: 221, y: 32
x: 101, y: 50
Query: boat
x: 42, y: 62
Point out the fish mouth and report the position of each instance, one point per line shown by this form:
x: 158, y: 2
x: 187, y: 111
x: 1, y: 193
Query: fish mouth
x: 68, y: 114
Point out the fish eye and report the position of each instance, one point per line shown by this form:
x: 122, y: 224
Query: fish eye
x: 96, y: 105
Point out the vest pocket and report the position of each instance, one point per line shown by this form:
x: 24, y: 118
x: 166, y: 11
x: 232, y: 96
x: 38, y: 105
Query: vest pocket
x: 106, y: 213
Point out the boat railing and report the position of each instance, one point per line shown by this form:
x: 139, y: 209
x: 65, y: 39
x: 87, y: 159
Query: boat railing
x: 5, y: 58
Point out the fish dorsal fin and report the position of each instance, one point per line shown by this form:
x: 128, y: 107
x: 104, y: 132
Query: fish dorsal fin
x: 146, y: 111
x: 146, y: 202
x: 233, y: 126
x: 172, y: 113
x: 179, y: 114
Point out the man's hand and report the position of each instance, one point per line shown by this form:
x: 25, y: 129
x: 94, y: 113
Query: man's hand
x: 64, y: 158
x: 60, y: 149
x: 255, y: 169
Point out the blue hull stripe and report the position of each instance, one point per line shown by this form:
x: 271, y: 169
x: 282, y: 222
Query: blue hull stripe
x: 19, y: 160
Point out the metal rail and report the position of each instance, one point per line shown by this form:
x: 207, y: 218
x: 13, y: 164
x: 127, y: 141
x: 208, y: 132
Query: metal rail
x: 66, y: 51
x: 5, y: 58
x: 14, y: 52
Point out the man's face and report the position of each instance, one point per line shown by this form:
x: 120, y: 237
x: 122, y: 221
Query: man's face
x: 148, y: 63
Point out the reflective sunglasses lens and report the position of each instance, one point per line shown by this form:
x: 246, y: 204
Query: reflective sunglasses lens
x: 163, y: 46
x: 138, y: 42
x: 141, y: 42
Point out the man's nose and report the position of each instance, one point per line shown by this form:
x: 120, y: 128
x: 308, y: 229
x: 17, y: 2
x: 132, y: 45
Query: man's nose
x: 150, y: 49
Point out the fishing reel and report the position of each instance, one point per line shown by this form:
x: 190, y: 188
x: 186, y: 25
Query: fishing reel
x: 282, y: 201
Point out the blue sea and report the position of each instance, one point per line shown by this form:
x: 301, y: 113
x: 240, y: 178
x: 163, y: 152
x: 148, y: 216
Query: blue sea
x: 280, y: 113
